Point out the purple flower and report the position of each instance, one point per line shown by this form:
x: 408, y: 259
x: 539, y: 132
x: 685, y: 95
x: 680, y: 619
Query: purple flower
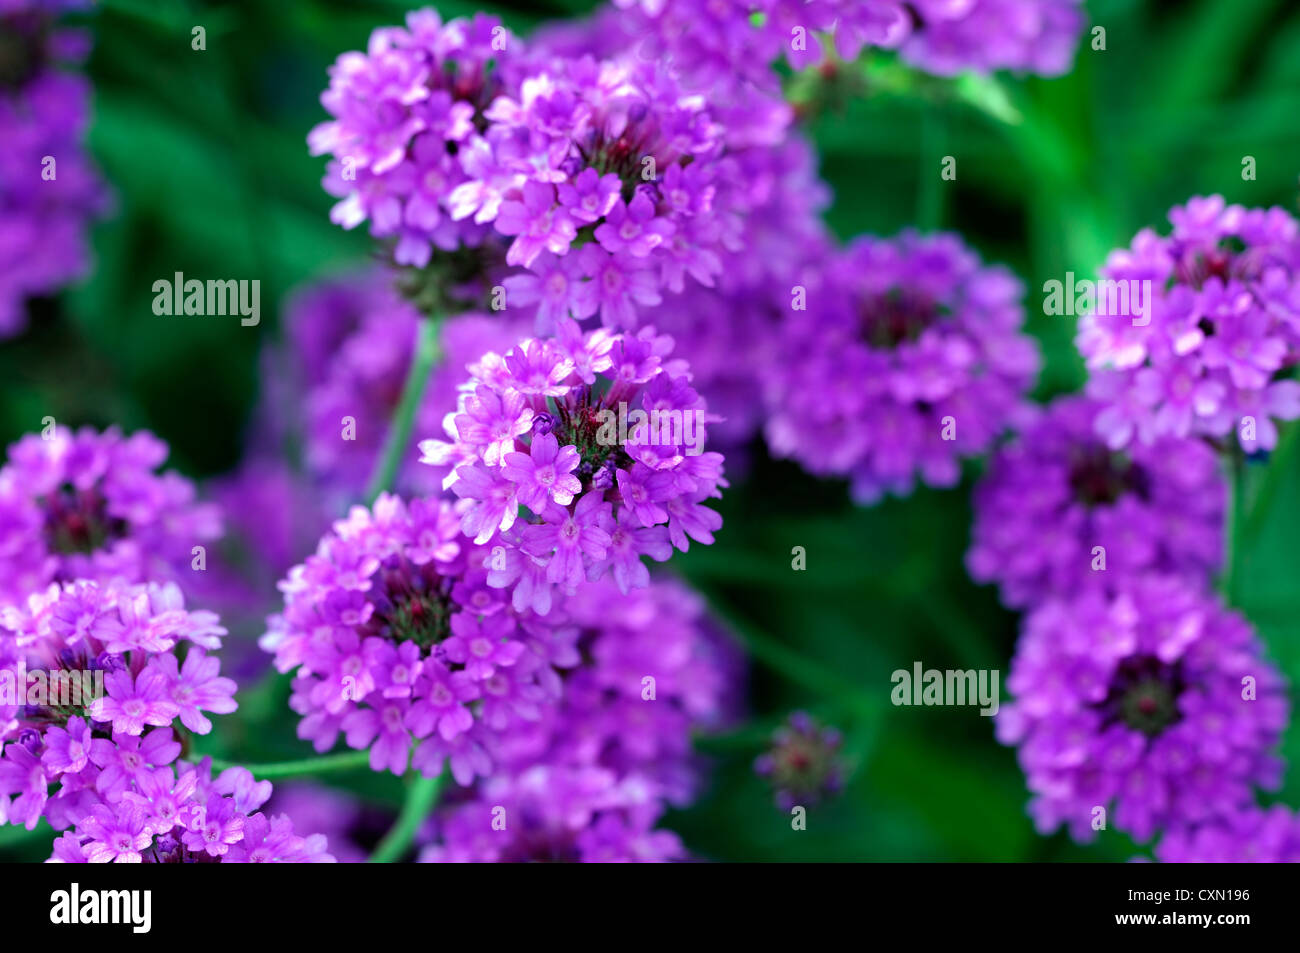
x: 565, y: 538
x: 544, y: 474
x: 415, y: 646
x: 45, y: 210
x: 213, y: 826
x: 67, y: 749
x: 89, y: 505
x: 1208, y: 326
x: 904, y: 357
x: 198, y: 686
x: 589, y: 780
x: 1154, y: 704
x: 803, y: 763
x: 624, y: 429
x: 133, y: 703
x: 537, y: 222
x: 1058, y: 510
x: 633, y: 228
x: 1251, y: 835
x: 115, y: 836
x: 590, y: 196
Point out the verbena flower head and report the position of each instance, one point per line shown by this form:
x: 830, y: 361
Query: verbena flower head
x: 182, y: 815
x: 89, y: 505
x: 589, y: 780
x: 44, y: 209
x: 803, y: 764
x: 583, y: 186
x: 941, y: 36
x: 406, y: 117
x: 907, y: 357
x: 1057, y: 492
x: 577, y: 456
x: 1252, y: 835
x: 1205, y: 352
x: 1155, y: 704
x: 397, y: 640
x: 91, y: 685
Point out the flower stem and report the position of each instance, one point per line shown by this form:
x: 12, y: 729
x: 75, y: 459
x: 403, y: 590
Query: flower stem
x: 1234, y: 526
x: 346, y: 761
x: 396, y: 446
x: 420, y: 799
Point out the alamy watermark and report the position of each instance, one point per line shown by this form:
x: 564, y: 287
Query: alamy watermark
x: 179, y: 295
x: 657, y: 428
x: 1105, y: 296
x: 64, y: 688
x: 930, y: 686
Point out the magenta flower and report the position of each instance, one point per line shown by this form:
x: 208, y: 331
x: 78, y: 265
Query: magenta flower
x: 132, y: 703
x: 543, y: 474
x: 1204, y: 350
x: 616, y: 425
x: 115, y: 836
x: 538, y: 223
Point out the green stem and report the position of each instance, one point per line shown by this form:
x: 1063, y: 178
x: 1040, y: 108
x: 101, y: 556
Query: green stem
x: 929, y: 198
x: 1275, y: 473
x: 1234, y: 526
x: 346, y: 761
x: 420, y: 799
x: 397, y: 445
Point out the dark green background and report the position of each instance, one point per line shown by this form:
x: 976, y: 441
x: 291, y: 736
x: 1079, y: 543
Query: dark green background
x: 206, y: 154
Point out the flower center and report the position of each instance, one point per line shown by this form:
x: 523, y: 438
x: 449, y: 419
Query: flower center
x: 1143, y: 695
x: 898, y: 316
x: 1098, y: 476
x: 412, y: 604
x: 22, y: 49
x: 77, y: 521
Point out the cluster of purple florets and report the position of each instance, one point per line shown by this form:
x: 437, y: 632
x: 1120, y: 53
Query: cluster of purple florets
x: 598, y: 441
x: 1135, y: 691
x: 906, y: 357
x: 103, y: 681
x: 89, y: 505
x: 399, y: 642
x: 1204, y: 341
x: 742, y: 37
x: 49, y: 189
x: 589, y: 780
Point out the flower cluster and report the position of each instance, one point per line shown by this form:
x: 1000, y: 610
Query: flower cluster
x: 182, y: 815
x: 907, y: 356
x: 588, y: 781
x: 586, y: 186
x: 1202, y: 351
x: 94, y: 680
x: 743, y: 37
x: 397, y: 639
x: 49, y: 190
x: 599, y: 437
x: 1056, y: 493
x: 406, y: 133
x: 1155, y: 700
x: 803, y: 764
x: 1250, y: 836
x: 88, y: 505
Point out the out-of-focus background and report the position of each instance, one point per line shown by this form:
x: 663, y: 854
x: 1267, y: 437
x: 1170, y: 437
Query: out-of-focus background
x: 206, y: 155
